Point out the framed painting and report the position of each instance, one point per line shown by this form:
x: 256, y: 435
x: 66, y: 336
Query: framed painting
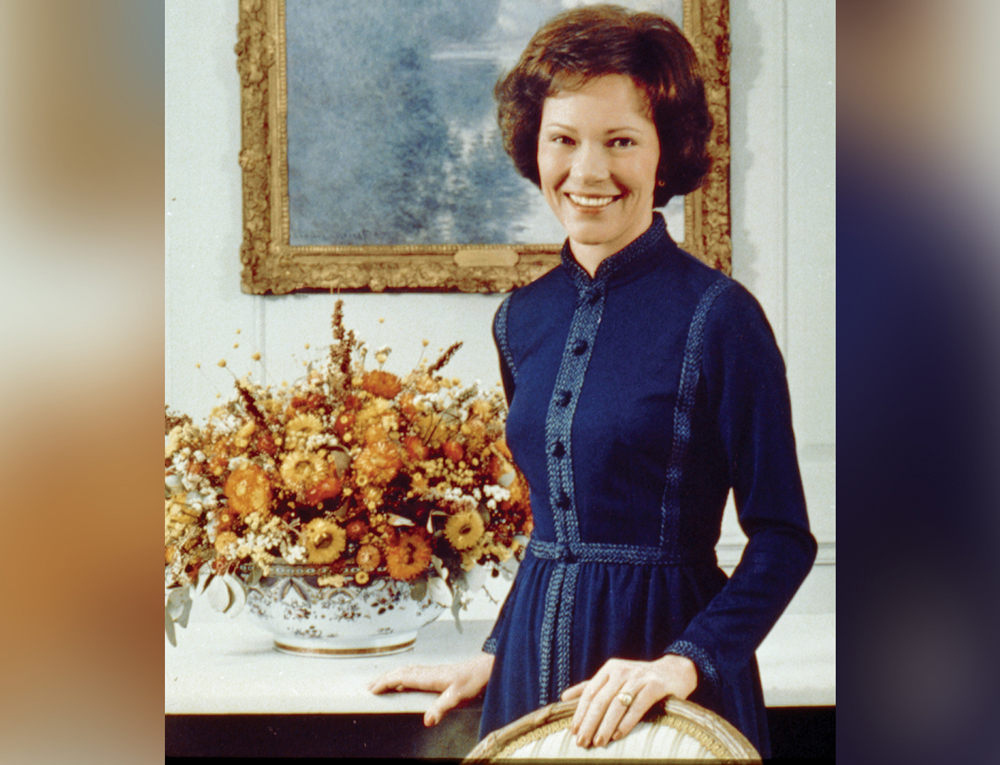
x: 371, y: 156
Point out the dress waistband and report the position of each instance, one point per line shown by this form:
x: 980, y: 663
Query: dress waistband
x: 585, y: 552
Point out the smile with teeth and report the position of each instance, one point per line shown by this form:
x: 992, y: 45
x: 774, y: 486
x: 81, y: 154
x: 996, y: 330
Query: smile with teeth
x: 592, y: 201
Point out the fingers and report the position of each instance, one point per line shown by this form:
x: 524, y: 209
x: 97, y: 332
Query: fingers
x: 574, y: 691
x: 601, y: 706
x: 644, y: 701
x: 590, y: 690
x: 450, y: 698
x: 411, y: 678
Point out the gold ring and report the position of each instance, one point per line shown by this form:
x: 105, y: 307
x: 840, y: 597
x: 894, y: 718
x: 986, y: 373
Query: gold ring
x: 625, y: 699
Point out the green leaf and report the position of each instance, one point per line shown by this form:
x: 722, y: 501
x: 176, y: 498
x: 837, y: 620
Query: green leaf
x: 169, y: 627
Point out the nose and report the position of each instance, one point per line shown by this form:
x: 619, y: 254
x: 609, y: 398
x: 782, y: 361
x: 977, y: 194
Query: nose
x: 590, y: 163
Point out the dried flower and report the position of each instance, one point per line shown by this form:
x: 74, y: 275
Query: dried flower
x: 383, y: 384
x: 324, y: 541
x: 379, y: 462
x: 464, y: 529
x: 409, y: 557
x: 302, y: 470
x: 368, y: 558
x: 361, y: 578
x: 223, y: 542
x: 248, y: 490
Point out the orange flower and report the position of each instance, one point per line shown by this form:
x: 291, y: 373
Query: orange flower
x: 344, y: 423
x: 453, y: 451
x: 409, y: 557
x: 328, y: 488
x: 416, y: 448
x: 248, y: 490
x: 356, y: 529
x: 378, y: 463
x: 383, y: 384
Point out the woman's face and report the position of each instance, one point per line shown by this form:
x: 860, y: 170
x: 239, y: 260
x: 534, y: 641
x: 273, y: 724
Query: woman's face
x: 597, y: 155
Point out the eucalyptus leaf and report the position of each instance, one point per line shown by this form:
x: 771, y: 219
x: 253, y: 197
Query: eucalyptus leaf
x: 255, y: 575
x: 456, y: 606
x: 440, y: 593
x: 418, y: 590
x: 176, y: 600
x: 398, y: 520
x: 186, y: 612
x: 169, y: 627
x: 219, y: 596
x: 208, y: 580
x: 239, y: 593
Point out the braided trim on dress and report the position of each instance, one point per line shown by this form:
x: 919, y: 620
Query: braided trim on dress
x: 706, y: 667
x: 500, y: 331
x: 686, y: 390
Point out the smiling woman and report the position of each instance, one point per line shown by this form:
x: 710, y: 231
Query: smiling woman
x: 643, y: 387
x: 597, y: 157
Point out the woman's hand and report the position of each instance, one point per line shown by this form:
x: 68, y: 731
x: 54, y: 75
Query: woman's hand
x: 455, y: 682
x: 601, y: 717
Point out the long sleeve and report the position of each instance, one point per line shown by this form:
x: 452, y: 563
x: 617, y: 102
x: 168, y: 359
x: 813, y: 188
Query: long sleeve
x: 746, y: 388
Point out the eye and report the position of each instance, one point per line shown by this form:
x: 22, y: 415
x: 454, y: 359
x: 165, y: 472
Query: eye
x: 563, y: 139
x: 621, y: 143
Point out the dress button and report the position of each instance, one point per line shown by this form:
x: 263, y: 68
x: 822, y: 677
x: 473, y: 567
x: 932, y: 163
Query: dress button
x: 564, y: 398
x: 580, y: 347
x: 558, y: 450
x: 595, y: 296
x: 563, y: 502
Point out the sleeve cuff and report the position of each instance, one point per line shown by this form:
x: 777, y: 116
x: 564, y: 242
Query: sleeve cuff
x: 490, y: 646
x: 707, y: 673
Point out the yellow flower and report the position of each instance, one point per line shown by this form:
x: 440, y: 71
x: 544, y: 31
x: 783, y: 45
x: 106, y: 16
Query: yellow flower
x: 331, y: 580
x: 303, y: 470
x: 224, y: 540
x: 324, y: 541
x: 361, y: 577
x: 298, y: 430
x: 464, y: 529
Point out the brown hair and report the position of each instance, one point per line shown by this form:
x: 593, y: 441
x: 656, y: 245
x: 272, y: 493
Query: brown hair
x: 588, y: 42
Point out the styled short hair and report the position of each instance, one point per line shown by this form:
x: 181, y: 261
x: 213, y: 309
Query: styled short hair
x: 584, y: 43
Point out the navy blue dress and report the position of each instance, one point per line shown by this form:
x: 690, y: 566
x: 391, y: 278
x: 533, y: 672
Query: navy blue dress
x: 637, y: 400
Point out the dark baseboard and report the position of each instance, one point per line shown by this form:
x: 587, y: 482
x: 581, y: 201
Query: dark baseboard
x: 795, y: 732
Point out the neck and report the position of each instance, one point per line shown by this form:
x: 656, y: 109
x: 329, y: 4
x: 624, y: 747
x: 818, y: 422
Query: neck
x: 589, y: 257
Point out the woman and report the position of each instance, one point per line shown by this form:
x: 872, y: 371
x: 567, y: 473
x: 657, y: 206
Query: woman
x: 642, y: 387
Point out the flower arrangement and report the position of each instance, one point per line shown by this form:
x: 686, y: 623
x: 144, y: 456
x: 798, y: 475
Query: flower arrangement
x: 356, y: 469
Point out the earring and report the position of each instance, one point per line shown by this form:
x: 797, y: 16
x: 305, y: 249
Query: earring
x: 661, y: 183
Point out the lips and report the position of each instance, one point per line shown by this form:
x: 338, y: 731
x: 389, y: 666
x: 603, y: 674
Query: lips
x: 592, y: 202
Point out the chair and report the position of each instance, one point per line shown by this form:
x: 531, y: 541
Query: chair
x: 683, y: 731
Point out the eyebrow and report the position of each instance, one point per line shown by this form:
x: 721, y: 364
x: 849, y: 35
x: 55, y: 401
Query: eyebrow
x: 623, y: 129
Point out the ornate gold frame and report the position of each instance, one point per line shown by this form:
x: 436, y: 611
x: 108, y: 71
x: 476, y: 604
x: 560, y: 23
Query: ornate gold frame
x: 270, y: 264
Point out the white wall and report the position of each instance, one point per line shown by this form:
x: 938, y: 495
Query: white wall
x: 783, y: 240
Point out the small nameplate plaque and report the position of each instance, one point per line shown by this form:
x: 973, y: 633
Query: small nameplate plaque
x: 483, y: 258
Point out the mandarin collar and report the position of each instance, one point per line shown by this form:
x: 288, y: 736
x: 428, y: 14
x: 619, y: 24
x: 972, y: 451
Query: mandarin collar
x: 630, y: 262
